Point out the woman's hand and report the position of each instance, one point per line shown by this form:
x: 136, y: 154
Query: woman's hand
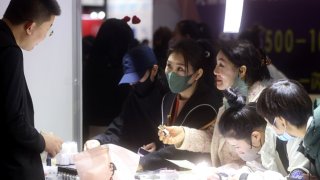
x: 171, y: 134
x: 151, y: 147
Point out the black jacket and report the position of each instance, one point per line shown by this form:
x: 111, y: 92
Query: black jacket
x: 311, y: 148
x: 198, y: 112
x: 138, y: 121
x: 21, y: 142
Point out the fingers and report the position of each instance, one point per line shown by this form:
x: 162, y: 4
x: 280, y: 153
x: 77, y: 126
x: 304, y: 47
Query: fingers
x: 169, y: 140
x: 91, y: 144
x: 57, y: 146
x: 53, y: 144
x: 171, y: 134
x: 150, y: 147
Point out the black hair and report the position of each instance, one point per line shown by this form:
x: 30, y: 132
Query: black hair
x: 287, y: 99
x: 240, y: 53
x: 240, y: 120
x: 113, y: 40
x: 19, y: 11
x: 199, y: 54
x: 255, y: 35
x: 161, y: 38
x: 193, y: 29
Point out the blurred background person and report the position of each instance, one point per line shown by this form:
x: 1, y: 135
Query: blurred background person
x: 190, y: 29
x: 161, y: 38
x: 102, y: 96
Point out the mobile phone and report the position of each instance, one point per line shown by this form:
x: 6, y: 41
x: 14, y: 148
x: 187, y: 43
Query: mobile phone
x: 142, y: 151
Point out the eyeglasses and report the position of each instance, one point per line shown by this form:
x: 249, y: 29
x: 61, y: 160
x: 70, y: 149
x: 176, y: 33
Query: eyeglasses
x: 50, y: 32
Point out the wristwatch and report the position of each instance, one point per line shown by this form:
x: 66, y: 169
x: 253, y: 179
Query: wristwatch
x: 243, y: 176
x: 297, y: 174
x: 223, y: 176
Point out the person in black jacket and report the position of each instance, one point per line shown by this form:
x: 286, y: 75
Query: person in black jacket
x: 193, y: 101
x: 24, y: 25
x: 140, y: 115
x: 102, y: 96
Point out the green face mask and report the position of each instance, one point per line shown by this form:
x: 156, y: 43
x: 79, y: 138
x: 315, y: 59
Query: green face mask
x: 177, y: 83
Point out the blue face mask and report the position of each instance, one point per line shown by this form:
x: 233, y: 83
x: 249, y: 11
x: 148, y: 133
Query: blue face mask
x: 285, y: 137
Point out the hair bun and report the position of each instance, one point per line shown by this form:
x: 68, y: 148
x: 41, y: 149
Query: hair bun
x: 234, y: 99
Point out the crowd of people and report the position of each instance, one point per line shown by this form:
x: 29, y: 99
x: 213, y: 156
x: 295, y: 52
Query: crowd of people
x: 224, y: 101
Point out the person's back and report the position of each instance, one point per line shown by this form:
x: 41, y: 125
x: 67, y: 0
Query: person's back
x: 102, y: 96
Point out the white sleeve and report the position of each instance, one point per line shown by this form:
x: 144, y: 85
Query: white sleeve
x: 296, y: 159
x: 196, y: 140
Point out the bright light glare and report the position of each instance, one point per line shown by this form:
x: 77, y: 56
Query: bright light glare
x: 202, y: 164
x: 101, y: 15
x: 233, y: 14
x: 94, y: 15
x: 201, y: 167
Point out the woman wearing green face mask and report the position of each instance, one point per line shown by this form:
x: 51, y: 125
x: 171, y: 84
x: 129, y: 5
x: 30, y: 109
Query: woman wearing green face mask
x: 193, y: 101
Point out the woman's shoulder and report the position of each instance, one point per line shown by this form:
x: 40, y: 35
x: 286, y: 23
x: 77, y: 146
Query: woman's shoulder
x: 256, y: 89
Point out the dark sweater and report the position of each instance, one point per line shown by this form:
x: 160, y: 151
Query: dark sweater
x: 22, y: 144
x: 198, y: 112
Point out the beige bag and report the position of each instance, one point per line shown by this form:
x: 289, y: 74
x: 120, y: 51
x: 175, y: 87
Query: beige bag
x: 94, y: 164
